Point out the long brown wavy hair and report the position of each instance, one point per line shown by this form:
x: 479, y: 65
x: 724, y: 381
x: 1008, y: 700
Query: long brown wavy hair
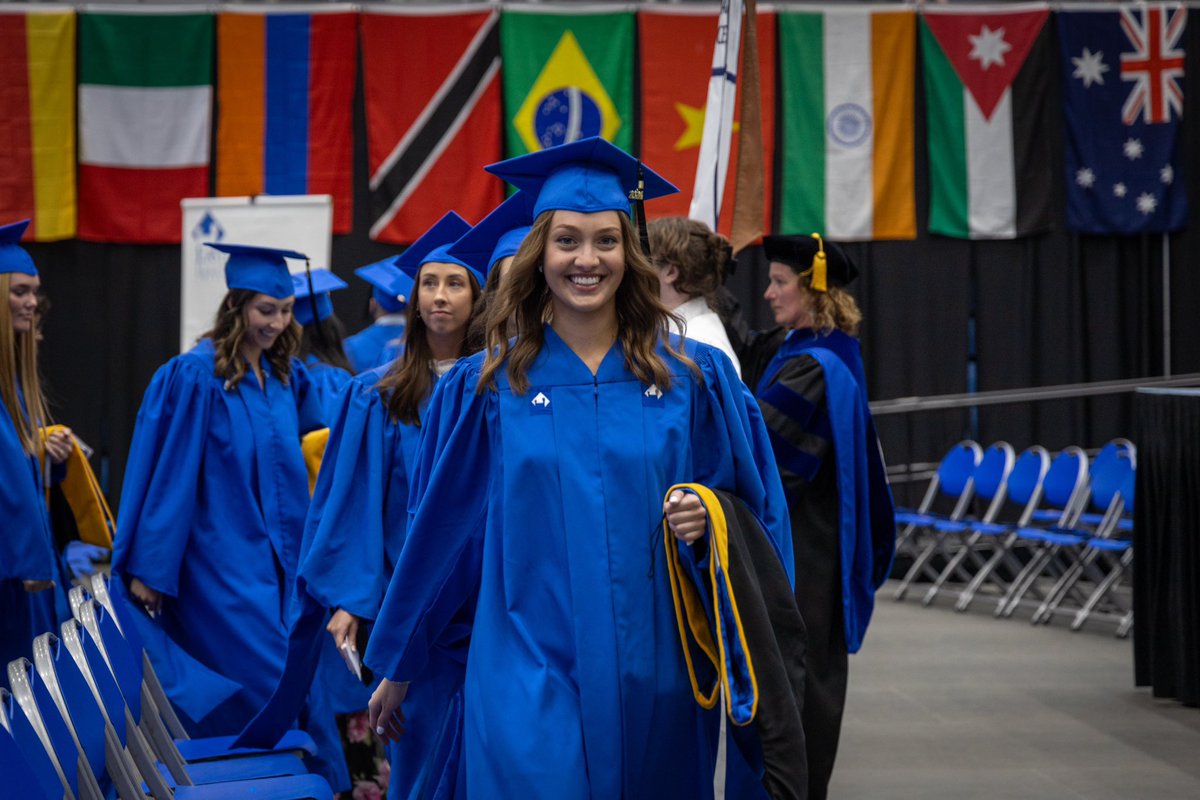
x: 409, y: 380
x: 228, y: 332
x: 642, y: 320
x: 18, y: 367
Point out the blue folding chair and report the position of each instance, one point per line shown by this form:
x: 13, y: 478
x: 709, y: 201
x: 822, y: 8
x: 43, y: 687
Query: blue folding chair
x: 111, y: 765
x: 1112, y: 557
x: 956, y: 539
x: 25, y: 767
x: 1065, y: 491
x: 953, y: 482
x: 1109, y: 477
x: 162, y: 718
x: 82, y: 646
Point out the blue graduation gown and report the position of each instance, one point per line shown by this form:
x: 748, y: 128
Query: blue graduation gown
x: 211, y: 516
x: 328, y: 382
x: 547, y: 506
x: 373, y: 346
x: 26, y: 547
x: 352, y: 539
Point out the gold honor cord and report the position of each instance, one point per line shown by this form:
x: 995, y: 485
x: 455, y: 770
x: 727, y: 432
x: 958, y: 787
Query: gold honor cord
x: 92, y: 515
x: 692, y: 617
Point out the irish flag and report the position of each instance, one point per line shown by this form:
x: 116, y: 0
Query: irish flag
x: 987, y: 71
x: 847, y: 123
x: 37, y: 120
x: 145, y: 100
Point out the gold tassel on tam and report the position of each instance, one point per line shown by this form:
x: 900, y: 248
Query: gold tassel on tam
x: 819, y: 281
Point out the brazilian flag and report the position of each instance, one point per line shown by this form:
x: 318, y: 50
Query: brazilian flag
x: 566, y: 77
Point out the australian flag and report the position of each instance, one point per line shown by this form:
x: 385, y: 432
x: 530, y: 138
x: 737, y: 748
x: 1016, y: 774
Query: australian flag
x: 1123, y: 98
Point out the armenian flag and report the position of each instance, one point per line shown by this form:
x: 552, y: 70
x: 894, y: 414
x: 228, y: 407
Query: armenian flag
x: 285, y: 85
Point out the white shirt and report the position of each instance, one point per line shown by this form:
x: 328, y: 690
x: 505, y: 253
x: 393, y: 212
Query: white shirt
x: 704, y: 325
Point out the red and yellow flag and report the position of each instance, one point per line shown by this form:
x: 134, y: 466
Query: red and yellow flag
x: 676, y: 50
x: 37, y: 121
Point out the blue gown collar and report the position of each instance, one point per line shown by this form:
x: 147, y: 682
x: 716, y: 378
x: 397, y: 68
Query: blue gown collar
x: 558, y: 363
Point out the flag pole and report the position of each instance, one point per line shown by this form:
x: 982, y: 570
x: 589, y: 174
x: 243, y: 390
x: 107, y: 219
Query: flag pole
x: 750, y: 184
x: 1166, y: 301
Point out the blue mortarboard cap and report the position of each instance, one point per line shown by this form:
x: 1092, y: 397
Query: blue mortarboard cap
x: 587, y: 175
x: 258, y: 269
x: 497, y: 235
x: 13, y: 257
x: 388, y: 284
x: 323, y: 282
x: 433, y: 244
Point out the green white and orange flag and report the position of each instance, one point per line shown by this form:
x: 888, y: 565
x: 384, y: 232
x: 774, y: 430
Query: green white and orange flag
x: 987, y: 75
x: 145, y: 118
x: 37, y: 120
x: 847, y: 126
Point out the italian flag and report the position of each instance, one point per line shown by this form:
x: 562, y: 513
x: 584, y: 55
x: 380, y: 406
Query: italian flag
x: 986, y: 76
x: 145, y: 114
x: 37, y: 121
x: 847, y: 123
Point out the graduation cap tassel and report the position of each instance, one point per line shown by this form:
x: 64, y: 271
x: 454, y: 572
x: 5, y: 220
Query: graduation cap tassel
x: 638, y: 196
x: 312, y: 302
x: 820, y: 267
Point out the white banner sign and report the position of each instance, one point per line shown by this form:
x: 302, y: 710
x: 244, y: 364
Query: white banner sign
x: 302, y: 223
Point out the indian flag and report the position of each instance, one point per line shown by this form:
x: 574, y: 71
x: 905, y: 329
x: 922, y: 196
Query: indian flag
x: 37, y: 120
x: 987, y: 71
x: 145, y: 113
x: 847, y: 123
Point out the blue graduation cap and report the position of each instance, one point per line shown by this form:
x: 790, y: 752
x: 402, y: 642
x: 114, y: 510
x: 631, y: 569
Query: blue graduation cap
x: 258, y: 269
x: 587, y: 175
x: 13, y: 257
x: 390, y: 287
x: 323, y: 282
x: 434, y: 244
x: 498, y: 235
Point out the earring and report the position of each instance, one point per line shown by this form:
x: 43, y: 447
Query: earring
x: 540, y: 268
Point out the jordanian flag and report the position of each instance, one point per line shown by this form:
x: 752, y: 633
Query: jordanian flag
x: 145, y: 98
x: 847, y: 123
x: 987, y: 74
x: 566, y: 76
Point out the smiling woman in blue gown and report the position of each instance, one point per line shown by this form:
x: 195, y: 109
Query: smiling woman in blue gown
x: 537, y: 505
x: 214, y: 500
x: 32, y: 580
x: 356, y: 524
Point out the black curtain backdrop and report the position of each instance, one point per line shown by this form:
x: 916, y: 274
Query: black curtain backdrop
x: 1047, y: 309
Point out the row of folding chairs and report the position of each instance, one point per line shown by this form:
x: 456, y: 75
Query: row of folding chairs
x: 87, y: 718
x: 1049, y: 534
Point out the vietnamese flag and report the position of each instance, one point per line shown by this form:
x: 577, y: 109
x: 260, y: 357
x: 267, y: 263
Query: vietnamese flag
x: 676, y: 49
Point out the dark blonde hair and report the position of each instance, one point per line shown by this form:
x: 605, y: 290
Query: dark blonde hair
x: 409, y: 379
x: 700, y: 255
x: 18, y: 367
x: 642, y: 319
x: 229, y: 331
x: 833, y: 310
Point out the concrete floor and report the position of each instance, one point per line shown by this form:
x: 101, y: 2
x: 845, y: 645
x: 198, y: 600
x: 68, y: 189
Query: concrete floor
x: 958, y: 706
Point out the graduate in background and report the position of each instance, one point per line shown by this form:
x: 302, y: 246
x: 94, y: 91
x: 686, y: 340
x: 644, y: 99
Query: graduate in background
x: 356, y: 527
x: 32, y: 581
x: 382, y: 340
x: 213, y: 507
x: 321, y: 339
x: 538, y: 502
x: 489, y: 248
x: 814, y: 400
x: 691, y: 261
